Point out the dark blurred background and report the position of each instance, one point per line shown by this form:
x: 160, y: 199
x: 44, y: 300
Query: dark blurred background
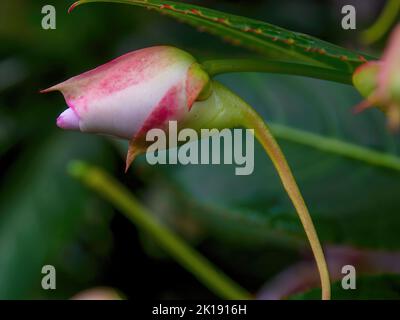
x: 245, y: 225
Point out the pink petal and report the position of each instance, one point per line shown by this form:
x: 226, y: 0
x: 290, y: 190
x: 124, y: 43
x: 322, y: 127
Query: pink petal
x: 391, y: 65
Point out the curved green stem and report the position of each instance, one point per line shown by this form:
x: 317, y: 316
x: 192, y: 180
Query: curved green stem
x: 231, y: 111
x: 194, y: 262
x: 263, y: 134
x: 383, y: 23
x: 215, y: 67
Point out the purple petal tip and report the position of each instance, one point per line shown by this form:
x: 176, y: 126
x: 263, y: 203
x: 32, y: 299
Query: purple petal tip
x: 68, y: 120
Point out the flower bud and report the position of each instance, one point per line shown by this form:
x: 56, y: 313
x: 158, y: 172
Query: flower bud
x: 134, y: 93
x: 379, y: 82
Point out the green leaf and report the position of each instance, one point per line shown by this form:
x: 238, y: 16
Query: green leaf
x: 42, y: 209
x: 263, y: 37
x: 377, y: 287
x: 348, y: 198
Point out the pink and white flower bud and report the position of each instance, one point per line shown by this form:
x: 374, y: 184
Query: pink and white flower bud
x: 132, y: 94
x: 379, y: 82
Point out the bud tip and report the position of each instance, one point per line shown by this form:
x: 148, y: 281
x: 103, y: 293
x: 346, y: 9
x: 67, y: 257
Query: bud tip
x: 68, y: 120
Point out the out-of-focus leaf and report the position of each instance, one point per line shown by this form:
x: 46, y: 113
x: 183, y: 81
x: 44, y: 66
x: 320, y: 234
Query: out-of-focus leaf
x: 378, y: 287
x: 259, y: 35
x: 12, y: 71
x: 8, y: 132
x: 347, y: 198
x: 41, y: 209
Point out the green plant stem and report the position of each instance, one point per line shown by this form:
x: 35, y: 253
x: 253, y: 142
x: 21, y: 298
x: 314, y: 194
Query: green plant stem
x: 336, y: 146
x: 272, y: 148
x: 227, y: 110
x: 122, y: 199
x: 215, y: 67
x: 383, y: 23
x: 236, y: 112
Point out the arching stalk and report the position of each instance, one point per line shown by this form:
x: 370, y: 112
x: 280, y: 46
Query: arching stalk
x: 264, y: 136
x: 228, y: 111
x: 220, y: 66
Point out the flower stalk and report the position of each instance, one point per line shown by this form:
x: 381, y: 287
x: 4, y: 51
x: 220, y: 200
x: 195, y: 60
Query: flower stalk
x: 220, y: 66
x: 241, y: 114
x: 123, y: 200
